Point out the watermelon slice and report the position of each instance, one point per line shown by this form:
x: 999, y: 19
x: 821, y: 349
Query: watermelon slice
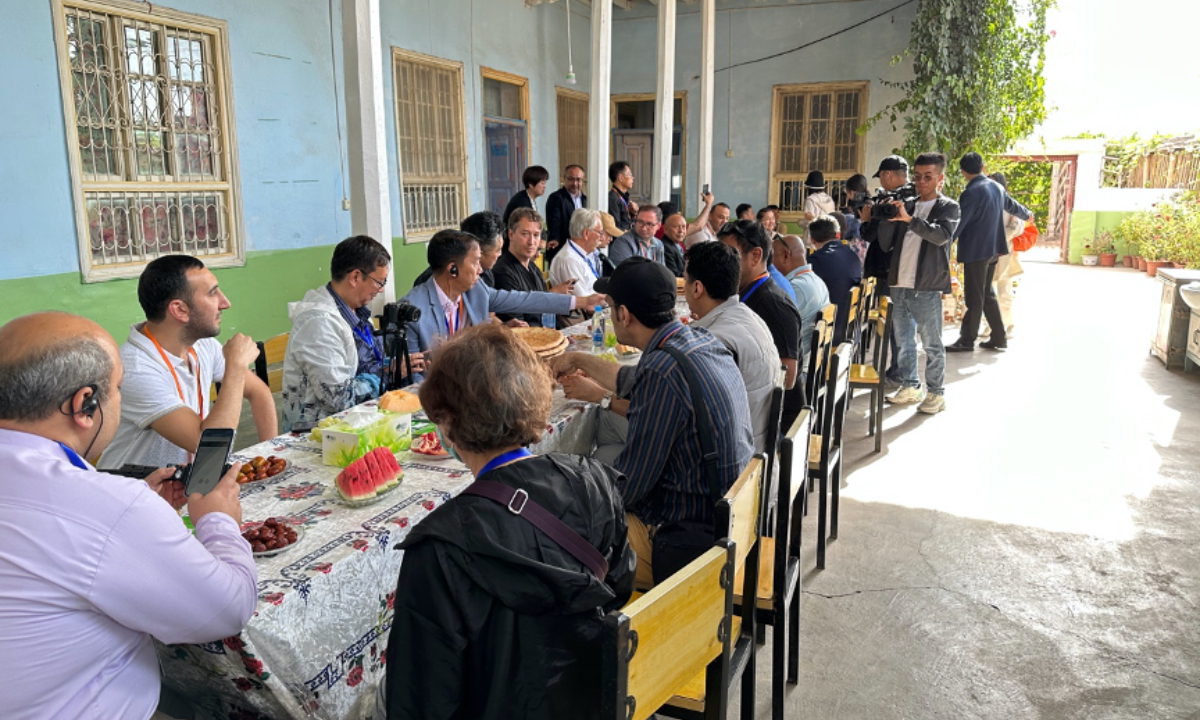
x: 372, y: 474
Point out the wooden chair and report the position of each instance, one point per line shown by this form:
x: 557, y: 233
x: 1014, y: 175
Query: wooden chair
x: 271, y: 352
x: 817, y: 382
x: 871, y: 375
x: 828, y: 471
x: 680, y: 629
x: 777, y: 601
x: 850, y: 329
x: 739, y: 519
x: 771, y: 450
x: 868, y: 305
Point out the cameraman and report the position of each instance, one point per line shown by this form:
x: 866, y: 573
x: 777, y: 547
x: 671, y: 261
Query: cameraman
x: 334, y: 361
x: 892, y: 174
x: 918, y: 240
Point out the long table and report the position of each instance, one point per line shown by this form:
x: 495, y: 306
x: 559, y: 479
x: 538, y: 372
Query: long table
x: 315, y: 647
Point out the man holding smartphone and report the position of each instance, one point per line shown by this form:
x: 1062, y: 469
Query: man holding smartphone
x: 97, y: 565
x: 172, y: 359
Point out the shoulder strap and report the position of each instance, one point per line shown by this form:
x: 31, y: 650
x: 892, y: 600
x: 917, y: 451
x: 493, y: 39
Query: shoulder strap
x: 519, y: 503
x: 704, y: 428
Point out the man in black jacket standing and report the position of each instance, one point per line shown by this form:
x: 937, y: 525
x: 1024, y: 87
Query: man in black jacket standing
x: 981, y: 241
x: 892, y: 174
x: 620, y: 206
x: 918, y: 241
x: 559, y: 208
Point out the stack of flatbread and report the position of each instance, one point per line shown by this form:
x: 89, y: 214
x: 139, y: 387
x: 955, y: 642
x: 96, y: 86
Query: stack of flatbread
x: 679, y: 286
x: 545, y: 342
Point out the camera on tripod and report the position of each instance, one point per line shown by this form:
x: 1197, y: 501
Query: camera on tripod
x: 393, y: 326
x: 882, y: 207
x: 397, y: 313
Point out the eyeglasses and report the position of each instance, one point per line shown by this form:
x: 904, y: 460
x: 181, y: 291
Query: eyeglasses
x: 643, y: 223
x: 380, y: 285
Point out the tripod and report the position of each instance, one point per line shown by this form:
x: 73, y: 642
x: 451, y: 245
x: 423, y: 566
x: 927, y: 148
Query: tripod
x: 395, y: 345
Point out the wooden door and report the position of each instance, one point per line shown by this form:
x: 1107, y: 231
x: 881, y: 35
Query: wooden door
x: 636, y: 147
x: 505, y: 161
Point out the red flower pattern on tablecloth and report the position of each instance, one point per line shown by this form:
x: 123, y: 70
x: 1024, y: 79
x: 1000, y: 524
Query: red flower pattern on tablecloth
x: 234, y: 643
x: 355, y: 676
x: 299, y: 492
x: 360, y: 545
x: 243, y: 684
x: 401, y: 521
x: 428, y: 505
x: 274, y: 598
x: 253, y: 665
x: 391, y: 600
x: 322, y: 567
x: 383, y: 657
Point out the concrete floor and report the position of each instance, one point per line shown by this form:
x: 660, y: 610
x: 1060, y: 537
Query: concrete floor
x: 1033, y: 551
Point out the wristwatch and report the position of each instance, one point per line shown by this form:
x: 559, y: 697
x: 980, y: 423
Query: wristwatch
x: 606, y: 401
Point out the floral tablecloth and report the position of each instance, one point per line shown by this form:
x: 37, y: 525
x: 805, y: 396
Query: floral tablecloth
x: 316, y: 645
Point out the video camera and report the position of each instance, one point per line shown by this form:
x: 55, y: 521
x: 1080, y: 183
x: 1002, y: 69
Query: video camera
x: 398, y: 313
x: 882, y: 207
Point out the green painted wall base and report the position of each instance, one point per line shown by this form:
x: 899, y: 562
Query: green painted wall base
x: 258, y: 292
x: 1087, y: 224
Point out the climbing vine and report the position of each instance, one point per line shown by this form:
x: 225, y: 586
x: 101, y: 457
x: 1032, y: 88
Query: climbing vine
x: 977, y: 76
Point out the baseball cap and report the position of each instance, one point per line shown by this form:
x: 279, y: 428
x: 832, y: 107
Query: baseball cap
x: 640, y: 284
x: 610, y: 225
x: 891, y: 162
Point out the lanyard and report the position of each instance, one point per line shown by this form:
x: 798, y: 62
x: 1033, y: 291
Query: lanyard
x: 171, y: 368
x: 642, y: 250
x: 74, y: 458
x: 452, y: 330
x: 586, y: 261
x: 762, y: 279
x: 503, y: 459
x: 365, y: 335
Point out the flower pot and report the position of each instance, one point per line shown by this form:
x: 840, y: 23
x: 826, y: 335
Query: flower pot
x: 1108, y: 259
x: 1091, y: 260
x: 1127, y: 261
x: 1152, y: 266
x: 1141, y: 264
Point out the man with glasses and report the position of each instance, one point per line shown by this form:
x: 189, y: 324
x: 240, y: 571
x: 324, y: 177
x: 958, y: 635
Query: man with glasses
x: 640, y: 241
x: 333, y: 360
x: 561, y: 204
x: 579, y: 260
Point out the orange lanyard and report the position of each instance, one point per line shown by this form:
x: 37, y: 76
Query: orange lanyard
x: 178, y: 387
x: 452, y: 330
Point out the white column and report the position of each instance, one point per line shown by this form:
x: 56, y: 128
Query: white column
x: 707, y: 51
x: 599, y: 128
x: 366, y: 141
x: 664, y: 102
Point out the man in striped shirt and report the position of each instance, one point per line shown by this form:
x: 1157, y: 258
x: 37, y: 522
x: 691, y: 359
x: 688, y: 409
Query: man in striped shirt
x: 664, y: 487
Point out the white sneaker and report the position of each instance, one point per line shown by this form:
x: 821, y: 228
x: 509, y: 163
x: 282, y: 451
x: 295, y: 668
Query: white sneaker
x: 933, y: 404
x: 907, y: 396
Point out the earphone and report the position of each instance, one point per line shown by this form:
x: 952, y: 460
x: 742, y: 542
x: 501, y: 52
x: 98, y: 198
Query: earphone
x: 453, y: 270
x: 90, y: 404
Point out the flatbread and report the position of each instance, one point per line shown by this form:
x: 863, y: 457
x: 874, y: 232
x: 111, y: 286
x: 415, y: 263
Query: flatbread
x: 541, y: 339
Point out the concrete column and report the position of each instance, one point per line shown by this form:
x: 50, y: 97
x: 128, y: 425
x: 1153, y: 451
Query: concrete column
x: 599, y: 113
x: 664, y: 102
x: 708, y: 45
x: 366, y: 139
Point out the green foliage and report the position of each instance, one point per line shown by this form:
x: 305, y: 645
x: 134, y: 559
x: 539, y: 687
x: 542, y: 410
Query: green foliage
x: 1168, y: 231
x: 1029, y: 183
x: 977, y: 82
x: 1122, y: 155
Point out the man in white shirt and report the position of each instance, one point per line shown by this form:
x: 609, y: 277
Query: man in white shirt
x: 711, y: 288
x: 579, y: 260
x: 170, y: 362
x: 718, y: 215
x: 94, y: 566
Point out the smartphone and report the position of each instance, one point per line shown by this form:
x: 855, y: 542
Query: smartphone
x: 208, y: 465
x: 704, y: 191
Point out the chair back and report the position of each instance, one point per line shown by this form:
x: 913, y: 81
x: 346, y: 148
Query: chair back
x: 270, y: 353
x: 851, y: 328
x: 738, y: 511
x: 882, y: 325
x: 867, y: 313
x: 774, y: 416
x: 818, y: 359
x: 659, y: 642
x: 793, y: 468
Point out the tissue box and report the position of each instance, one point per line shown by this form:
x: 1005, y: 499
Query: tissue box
x: 359, y: 431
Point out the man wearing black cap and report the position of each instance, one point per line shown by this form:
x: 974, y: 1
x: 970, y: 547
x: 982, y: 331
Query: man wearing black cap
x: 981, y: 241
x: 892, y: 174
x: 666, y: 494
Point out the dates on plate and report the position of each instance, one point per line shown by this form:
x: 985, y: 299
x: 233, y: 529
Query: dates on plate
x: 272, y: 534
x: 261, y: 468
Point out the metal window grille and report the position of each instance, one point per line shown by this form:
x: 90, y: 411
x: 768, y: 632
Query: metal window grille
x: 572, y: 130
x: 430, y: 135
x: 815, y: 130
x: 146, y: 101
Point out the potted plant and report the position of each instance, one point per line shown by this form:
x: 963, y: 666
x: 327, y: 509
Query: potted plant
x: 1090, y: 256
x: 1106, y: 248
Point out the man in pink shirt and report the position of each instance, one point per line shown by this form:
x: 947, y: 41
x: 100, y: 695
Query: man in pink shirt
x: 93, y: 566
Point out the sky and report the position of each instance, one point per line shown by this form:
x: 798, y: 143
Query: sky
x: 1122, y: 67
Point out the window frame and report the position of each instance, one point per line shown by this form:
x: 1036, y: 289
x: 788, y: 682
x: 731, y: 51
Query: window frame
x: 398, y: 55
x: 217, y: 33
x: 774, y: 176
x: 561, y: 93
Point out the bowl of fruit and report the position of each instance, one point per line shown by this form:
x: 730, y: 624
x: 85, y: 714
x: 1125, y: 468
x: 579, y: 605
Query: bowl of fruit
x: 271, y: 536
x: 261, y: 468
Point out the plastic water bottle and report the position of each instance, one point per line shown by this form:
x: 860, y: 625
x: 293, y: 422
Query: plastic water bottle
x: 548, y: 320
x: 598, y: 330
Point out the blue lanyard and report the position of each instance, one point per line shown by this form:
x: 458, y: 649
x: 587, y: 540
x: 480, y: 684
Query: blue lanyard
x: 365, y: 335
x: 502, y: 459
x: 586, y: 261
x: 74, y: 458
x: 746, y: 295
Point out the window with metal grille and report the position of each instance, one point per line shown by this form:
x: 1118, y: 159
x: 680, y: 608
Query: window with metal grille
x: 813, y: 128
x: 430, y: 135
x: 150, y: 137
x: 572, y: 129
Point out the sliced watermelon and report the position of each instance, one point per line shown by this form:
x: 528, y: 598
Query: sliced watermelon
x: 371, y: 474
x: 389, y: 466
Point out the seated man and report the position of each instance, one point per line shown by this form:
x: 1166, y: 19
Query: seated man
x: 486, y: 226
x: 811, y: 294
x: 580, y: 259
x: 710, y: 286
x: 333, y: 361
x: 515, y: 269
x: 170, y: 362
x: 96, y: 566
x: 718, y: 215
x: 666, y: 493
x: 837, y: 265
x: 640, y: 241
x: 453, y: 298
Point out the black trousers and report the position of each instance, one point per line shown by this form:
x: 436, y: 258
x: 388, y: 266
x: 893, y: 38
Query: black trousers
x: 981, y: 301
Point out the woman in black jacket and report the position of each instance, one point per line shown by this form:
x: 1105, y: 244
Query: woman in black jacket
x: 493, y: 618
